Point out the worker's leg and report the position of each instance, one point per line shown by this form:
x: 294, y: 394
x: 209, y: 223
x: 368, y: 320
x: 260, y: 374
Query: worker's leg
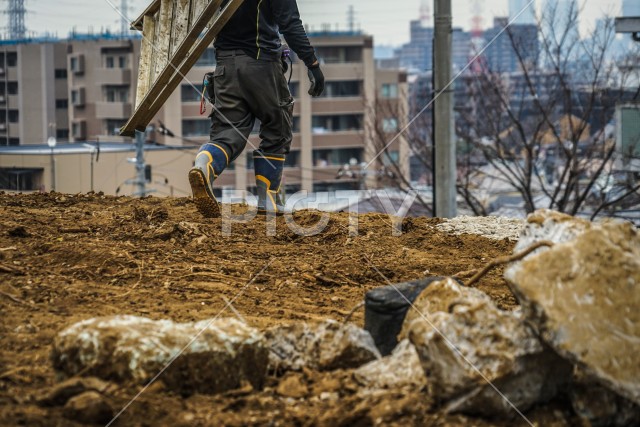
x: 267, y: 93
x: 231, y: 124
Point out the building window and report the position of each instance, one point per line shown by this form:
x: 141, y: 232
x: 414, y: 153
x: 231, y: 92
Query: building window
x: 208, y: 58
x: 390, y: 125
x: 61, y: 74
x: 109, y: 62
x: 14, y: 116
x: 296, y: 124
x: 342, y: 89
x: 389, y: 90
x: 336, y: 123
x: 196, y: 127
x: 339, y: 55
x: 337, y: 157
x: 12, y: 59
x: 294, y: 89
x: 12, y: 88
x: 190, y: 94
x: 122, y: 62
x: 62, y: 104
x: 292, y: 160
x: 14, y: 141
x: 62, y: 134
x: 116, y: 93
x: 113, y: 126
x: 18, y: 179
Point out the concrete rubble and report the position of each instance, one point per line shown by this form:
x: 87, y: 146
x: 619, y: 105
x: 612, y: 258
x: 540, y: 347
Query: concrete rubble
x: 465, y: 343
x: 401, y: 369
x: 582, y: 297
x: 225, y: 353
x: 325, y: 346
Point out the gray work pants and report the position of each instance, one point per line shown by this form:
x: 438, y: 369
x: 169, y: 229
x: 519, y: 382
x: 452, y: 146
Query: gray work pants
x: 246, y: 89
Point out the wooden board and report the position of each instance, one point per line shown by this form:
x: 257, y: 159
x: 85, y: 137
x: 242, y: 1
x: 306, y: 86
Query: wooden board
x: 175, y: 34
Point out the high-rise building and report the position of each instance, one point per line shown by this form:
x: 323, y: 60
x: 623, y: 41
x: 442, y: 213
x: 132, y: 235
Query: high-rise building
x: 502, y: 55
x: 417, y: 55
x: 630, y: 8
x: 525, y: 12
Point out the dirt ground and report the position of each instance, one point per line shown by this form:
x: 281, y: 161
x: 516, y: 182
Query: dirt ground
x: 68, y: 258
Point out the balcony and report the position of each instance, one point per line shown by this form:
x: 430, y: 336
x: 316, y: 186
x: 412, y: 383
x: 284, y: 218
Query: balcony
x: 337, y: 105
x: 13, y: 102
x: 113, y: 76
x: 113, y: 110
x: 340, y: 139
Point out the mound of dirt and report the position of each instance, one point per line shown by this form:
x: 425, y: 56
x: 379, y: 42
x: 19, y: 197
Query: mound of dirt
x: 65, y: 258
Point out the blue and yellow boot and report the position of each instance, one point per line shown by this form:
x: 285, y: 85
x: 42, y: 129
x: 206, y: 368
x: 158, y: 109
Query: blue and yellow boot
x: 209, y: 164
x: 268, y: 168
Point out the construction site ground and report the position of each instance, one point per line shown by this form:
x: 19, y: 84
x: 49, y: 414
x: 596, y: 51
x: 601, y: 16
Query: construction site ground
x: 67, y: 258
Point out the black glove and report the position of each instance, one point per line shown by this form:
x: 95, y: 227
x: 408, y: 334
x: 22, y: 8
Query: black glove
x: 317, y: 81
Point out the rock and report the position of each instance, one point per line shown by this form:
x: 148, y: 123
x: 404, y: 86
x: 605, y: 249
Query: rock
x: 583, y: 298
x: 599, y: 407
x: 464, y: 342
x: 292, y: 386
x: 89, y: 408
x: 61, y: 393
x: 556, y: 227
x: 215, y: 356
x: 399, y: 370
x: 325, y: 346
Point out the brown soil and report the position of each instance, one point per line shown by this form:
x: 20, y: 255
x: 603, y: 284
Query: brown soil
x: 67, y: 258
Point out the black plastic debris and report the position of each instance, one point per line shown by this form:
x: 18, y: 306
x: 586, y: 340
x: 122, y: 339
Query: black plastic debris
x: 386, y: 309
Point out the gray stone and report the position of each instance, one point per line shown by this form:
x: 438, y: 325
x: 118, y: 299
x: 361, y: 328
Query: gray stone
x: 88, y: 408
x: 467, y: 346
x: 583, y: 298
x: 401, y: 369
x: 325, y: 346
x: 215, y: 356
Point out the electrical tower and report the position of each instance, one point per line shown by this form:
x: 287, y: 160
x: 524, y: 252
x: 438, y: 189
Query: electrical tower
x: 351, y: 19
x: 16, y: 12
x: 425, y: 13
x: 125, y: 8
x: 477, y: 40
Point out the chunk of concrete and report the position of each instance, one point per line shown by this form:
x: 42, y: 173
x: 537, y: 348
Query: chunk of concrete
x: 468, y: 348
x: 210, y: 356
x: 556, y: 227
x: 88, y: 408
x: 325, y: 346
x: 583, y: 298
x: 401, y: 369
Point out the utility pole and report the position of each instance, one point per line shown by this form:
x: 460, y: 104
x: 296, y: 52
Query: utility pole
x: 140, y: 181
x: 444, y: 168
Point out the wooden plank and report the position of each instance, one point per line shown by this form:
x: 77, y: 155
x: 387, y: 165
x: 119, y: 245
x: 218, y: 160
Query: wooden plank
x: 146, y: 59
x: 183, y: 60
x: 163, y: 38
x: 201, y: 46
x: 149, y: 11
x: 180, y: 27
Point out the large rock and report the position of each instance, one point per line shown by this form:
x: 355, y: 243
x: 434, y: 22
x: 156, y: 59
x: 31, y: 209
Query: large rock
x: 467, y: 346
x: 89, y: 408
x: 214, y: 356
x: 583, y: 298
x: 325, y: 346
x: 552, y: 226
x: 401, y: 369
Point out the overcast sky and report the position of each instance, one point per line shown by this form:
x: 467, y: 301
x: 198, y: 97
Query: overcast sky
x: 386, y: 20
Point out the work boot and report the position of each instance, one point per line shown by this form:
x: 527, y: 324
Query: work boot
x: 209, y: 164
x: 268, y: 168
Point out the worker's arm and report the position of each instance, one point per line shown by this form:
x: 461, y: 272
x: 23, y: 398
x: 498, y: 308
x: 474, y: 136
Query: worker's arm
x: 288, y: 18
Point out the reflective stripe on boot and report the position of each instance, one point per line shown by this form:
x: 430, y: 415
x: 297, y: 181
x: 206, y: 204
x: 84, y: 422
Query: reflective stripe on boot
x: 268, y: 169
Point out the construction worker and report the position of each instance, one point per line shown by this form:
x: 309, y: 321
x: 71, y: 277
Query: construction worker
x: 250, y: 83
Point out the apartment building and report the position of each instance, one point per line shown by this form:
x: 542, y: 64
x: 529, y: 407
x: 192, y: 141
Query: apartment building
x: 99, y: 87
x: 33, y: 92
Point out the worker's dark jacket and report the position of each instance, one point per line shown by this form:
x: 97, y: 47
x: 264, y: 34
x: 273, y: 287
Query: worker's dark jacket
x: 254, y: 29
